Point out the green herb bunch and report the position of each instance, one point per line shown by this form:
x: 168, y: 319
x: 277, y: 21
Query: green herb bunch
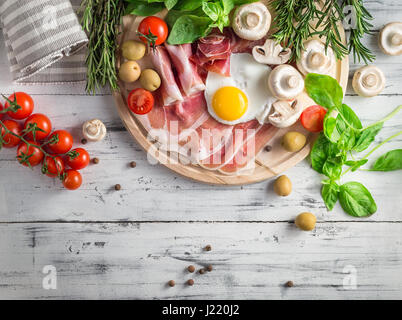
x: 340, y: 144
x: 294, y: 25
x: 188, y: 20
x: 101, y: 19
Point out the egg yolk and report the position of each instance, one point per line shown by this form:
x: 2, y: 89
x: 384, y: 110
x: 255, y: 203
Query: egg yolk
x: 229, y: 103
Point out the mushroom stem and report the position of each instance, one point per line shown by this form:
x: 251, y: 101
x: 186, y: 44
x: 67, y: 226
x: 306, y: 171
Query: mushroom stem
x: 317, y: 59
x: 370, y: 80
x: 252, y: 20
x: 396, y: 39
x: 93, y: 130
x: 293, y: 81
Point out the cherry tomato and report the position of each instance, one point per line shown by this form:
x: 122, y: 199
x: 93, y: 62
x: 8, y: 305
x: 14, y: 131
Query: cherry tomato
x: 1, y: 108
x: 72, y: 180
x: 64, y: 144
x: 11, y: 141
x: 78, y: 162
x: 34, y: 153
x: 312, y: 118
x: 26, y: 103
x: 157, y: 27
x: 54, y: 167
x: 140, y: 101
x: 42, y: 122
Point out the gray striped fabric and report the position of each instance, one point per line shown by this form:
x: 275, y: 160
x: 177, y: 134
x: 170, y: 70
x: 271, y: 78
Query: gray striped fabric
x: 44, y: 40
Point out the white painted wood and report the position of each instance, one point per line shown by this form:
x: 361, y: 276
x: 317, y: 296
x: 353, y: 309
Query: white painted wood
x: 255, y: 249
x: 250, y: 260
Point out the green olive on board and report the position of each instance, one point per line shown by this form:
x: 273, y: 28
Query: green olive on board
x: 306, y: 221
x: 133, y: 50
x: 129, y: 71
x: 283, y: 186
x: 150, y: 80
x: 293, y: 141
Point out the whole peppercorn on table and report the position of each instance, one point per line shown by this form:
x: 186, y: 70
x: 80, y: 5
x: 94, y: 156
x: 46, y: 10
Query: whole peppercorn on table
x: 134, y: 229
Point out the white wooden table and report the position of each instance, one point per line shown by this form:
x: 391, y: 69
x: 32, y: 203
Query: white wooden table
x: 129, y: 243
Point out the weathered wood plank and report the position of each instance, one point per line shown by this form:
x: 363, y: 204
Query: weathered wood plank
x: 250, y: 261
x: 152, y: 192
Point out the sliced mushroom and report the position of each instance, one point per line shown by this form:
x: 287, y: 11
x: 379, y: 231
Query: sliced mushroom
x: 368, y: 81
x: 94, y: 130
x: 316, y: 59
x: 390, y: 39
x: 285, y: 82
x: 285, y: 113
x: 251, y: 21
x: 271, y: 53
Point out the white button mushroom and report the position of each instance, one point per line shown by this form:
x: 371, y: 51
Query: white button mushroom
x: 251, y: 21
x: 285, y: 113
x: 368, y: 81
x: 315, y: 59
x: 94, y: 130
x: 271, y: 53
x: 390, y: 39
x: 285, y: 82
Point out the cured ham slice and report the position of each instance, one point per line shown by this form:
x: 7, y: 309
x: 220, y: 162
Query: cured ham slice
x: 189, y: 78
x: 169, y: 89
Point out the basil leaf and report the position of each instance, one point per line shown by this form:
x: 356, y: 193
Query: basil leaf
x: 356, y: 164
x: 350, y: 117
x: 228, y: 5
x: 188, y: 28
x: 324, y: 90
x: 318, y: 154
x: 330, y: 127
x: 188, y: 5
x: 169, y: 4
x: 330, y: 193
x: 212, y: 10
x: 389, y: 161
x: 332, y: 168
x: 356, y: 200
x: 366, y: 137
x: 347, y: 139
x: 143, y: 8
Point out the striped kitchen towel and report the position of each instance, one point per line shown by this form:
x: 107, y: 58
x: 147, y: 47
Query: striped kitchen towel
x: 44, y: 40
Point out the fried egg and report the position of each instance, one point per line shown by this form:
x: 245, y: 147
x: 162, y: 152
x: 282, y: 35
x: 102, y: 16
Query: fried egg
x: 243, y: 96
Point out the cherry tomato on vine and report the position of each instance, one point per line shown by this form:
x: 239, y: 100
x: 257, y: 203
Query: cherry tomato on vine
x: 312, y: 118
x: 42, y: 122
x: 154, y: 29
x: 72, y: 180
x: 64, y: 143
x: 53, y: 167
x: 31, y: 154
x: 1, y: 108
x: 11, y: 141
x: 140, y: 101
x: 26, y: 103
x: 78, y: 159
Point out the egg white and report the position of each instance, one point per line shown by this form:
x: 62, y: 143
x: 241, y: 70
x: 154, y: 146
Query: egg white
x: 248, y: 76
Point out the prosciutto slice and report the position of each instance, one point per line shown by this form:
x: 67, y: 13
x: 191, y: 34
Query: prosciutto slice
x: 189, y: 78
x: 169, y: 89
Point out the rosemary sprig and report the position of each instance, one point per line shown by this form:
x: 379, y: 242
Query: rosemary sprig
x: 294, y: 25
x: 100, y: 19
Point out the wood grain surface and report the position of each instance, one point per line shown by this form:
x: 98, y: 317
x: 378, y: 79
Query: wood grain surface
x: 128, y: 244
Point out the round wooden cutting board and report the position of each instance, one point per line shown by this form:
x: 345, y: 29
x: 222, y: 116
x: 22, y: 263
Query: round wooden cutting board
x: 267, y: 164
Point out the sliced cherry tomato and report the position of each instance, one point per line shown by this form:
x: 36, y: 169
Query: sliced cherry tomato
x: 153, y: 27
x: 64, y: 143
x: 78, y: 159
x: 140, y: 101
x: 312, y: 118
x: 11, y: 141
x: 26, y: 103
x: 42, y: 122
x: 72, y: 180
x: 31, y: 154
x: 53, y: 167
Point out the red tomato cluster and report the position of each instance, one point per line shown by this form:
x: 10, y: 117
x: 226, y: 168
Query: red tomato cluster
x: 37, y: 144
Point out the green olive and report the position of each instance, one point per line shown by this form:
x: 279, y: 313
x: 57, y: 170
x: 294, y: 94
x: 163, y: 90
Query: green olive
x: 150, y: 80
x: 129, y: 71
x: 306, y: 221
x: 133, y: 50
x: 283, y: 186
x: 293, y: 141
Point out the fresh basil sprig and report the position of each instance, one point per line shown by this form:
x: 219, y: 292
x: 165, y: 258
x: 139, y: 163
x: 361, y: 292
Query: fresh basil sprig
x: 344, y: 135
